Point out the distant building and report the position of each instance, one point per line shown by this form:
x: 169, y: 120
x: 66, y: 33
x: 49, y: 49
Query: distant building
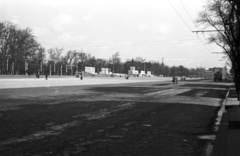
x: 90, y: 70
x: 200, y: 72
x: 192, y: 72
x: 209, y: 74
x: 132, y: 71
x: 105, y: 71
x: 149, y: 73
x: 142, y: 73
x: 211, y: 69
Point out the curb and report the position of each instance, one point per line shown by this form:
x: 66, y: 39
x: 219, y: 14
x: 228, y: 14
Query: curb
x: 225, y: 143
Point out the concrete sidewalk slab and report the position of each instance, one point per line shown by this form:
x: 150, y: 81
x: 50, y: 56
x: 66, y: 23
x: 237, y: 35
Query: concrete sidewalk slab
x: 227, y: 142
x: 234, y: 118
x: 220, y: 146
x: 233, y: 144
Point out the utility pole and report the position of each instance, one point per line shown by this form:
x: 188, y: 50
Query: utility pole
x: 83, y: 58
x: 113, y: 64
x: 13, y: 68
x: 66, y: 69
x: 50, y: 69
x: 144, y: 67
x: 61, y: 70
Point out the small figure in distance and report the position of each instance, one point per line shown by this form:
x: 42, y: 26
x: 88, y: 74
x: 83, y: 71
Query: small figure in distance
x: 81, y: 77
x: 173, y: 80
x: 46, y: 76
x: 176, y: 80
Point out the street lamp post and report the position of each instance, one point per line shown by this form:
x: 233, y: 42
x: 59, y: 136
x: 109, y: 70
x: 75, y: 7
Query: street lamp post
x: 50, y: 69
x: 144, y: 67
x: 13, y: 68
x: 113, y: 68
x: 61, y: 70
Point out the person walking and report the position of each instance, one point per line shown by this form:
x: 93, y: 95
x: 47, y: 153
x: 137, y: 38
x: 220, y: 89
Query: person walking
x: 81, y: 77
x: 173, y: 80
x: 36, y: 75
x: 46, y: 72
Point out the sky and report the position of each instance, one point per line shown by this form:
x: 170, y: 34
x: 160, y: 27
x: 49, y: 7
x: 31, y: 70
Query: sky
x: 155, y: 30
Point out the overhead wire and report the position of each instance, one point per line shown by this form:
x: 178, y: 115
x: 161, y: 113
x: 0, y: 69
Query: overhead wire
x: 179, y: 15
x: 187, y: 12
x: 136, y: 43
x: 193, y: 24
x: 124, y: 44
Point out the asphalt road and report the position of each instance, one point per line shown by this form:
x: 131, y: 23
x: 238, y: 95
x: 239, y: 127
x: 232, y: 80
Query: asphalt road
x: 144, y: 118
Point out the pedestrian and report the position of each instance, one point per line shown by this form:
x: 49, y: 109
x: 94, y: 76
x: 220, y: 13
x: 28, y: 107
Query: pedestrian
x: 81, y: 77
x: 173, y: 80
x: 176, y: 80
x: 46, y: 76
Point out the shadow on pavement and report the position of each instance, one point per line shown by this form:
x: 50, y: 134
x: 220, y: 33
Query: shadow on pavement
x: 206, y: 85
x: 140, y: 128
x: 210, y: 93
x: 125, y: 89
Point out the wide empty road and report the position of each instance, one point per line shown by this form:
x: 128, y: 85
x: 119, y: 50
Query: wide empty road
x: 144, y: 118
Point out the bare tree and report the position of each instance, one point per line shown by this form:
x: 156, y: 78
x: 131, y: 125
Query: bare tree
x: 115, y: 60
x: 4, y: 46
x: 142, y: 61
x: 72, y: 59
x: 15, y: 45
x: 82, y: 57
x: 224, y: 17
x: 55, y: 56
x: 39, y: 58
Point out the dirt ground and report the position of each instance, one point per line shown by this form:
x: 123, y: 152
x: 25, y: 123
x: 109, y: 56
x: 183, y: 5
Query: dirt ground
x: 144, y: 118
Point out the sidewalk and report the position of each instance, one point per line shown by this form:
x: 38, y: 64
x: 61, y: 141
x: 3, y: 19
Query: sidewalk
x: 227, y: 142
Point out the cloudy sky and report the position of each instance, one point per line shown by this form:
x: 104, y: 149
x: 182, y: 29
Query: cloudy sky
x: 151, y: 29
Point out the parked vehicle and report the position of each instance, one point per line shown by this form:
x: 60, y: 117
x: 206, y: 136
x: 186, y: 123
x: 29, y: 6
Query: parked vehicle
x: 218, y: 76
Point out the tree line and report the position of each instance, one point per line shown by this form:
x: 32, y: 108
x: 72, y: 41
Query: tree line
x: 20, y: 53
